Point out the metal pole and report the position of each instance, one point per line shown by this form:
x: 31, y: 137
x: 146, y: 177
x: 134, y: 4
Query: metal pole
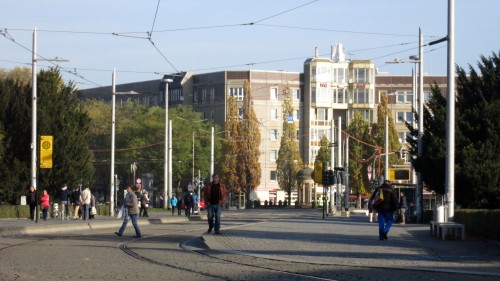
x: 192, y: 170
x: 332, y: 161
x: 339, y: 162
x: 166, y: 199
x: 418, y: 203
x: 169, y: 185
x: 113, y: 123
x: 346, y: 201
x: 386, y: 168
x: 212, y: 154
x: 34, y: 143
x: 199, y: 191
x: 450, y: 115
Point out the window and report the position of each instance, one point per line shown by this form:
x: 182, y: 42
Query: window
x: 212, y: 94
x: 195, y: 96
x: 361, y: 95
x: 404, y: 116
x: 401, y: 117
x: 313, y: 73
x: 273, y: 155
x: 402, y: 136
x: 237, y: 93
x: 273, y: 176
x: 339, y: 95
x: 296, y: 94
x: 296, y: 115
x: 204, y: 95
x: 321, y: 114
x: 404, y: 97
x: 274, y: 113
x: 409, y: 117
x: 274, y: 93
x: 273, y: 134
x: 427, y: 96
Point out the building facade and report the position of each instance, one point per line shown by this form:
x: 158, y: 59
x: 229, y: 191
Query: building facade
x: 325, y: 96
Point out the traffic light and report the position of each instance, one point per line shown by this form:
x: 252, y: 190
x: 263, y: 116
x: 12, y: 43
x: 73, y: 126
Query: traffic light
x: 331, y: 177
x: 328, y: 177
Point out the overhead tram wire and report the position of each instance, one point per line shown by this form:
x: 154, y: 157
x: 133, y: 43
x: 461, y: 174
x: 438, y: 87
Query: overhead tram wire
x: 154, y: 21
x: 10, y: 38
x: 284, y: 12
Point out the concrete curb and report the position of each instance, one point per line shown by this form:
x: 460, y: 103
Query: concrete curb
x: 62, y: 226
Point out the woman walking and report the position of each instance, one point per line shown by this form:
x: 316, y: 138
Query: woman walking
x: 45, y: 203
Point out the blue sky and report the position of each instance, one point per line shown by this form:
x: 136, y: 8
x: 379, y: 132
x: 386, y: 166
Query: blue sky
x: 206, y: 36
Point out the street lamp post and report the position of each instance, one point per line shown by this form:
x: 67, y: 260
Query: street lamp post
x: 167, y: 193
x: 34, y: 141
x: 113, y: 126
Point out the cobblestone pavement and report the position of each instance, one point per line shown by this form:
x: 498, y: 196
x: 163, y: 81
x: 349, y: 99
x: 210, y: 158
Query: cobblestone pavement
x: 255, y: 245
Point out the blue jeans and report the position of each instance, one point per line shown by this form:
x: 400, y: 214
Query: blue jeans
x: 134, y: 223
x: 214, y: 211
x: 385, y: 220
x: 85, y: 211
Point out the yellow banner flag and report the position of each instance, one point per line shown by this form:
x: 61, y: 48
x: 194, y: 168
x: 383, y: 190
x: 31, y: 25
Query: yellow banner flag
x: 46, y: 152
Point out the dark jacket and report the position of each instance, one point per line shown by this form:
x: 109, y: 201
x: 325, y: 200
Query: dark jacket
x: 402, y: 202
x: 208, y: 194
x: 65, y: 195
x: 390, y: 202
x: 31, y: 198
x: 75, y: 197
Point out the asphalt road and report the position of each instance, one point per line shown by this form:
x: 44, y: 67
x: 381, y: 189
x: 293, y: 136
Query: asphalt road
x: 179, y: 251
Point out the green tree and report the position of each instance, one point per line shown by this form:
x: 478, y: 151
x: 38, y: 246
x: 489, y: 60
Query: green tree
x: 289, y: 160
x: 61, y: 116
x: 477, y: 168
x: 15, y: 126
x: 359, y: 150
x: 431, y: 164
x: 324, y: 153
x: 478, y: 134
x: 229, y: 171
x: 249, y: 155
x: 378, y: 132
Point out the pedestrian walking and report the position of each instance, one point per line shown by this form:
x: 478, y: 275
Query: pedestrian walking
x: 386, y: 208
x: 31, y: 198
x: 144, y: 204
x: 64, y: 195
x: 188, y: 203
x: 173, y: 203
x: 45, y: 204
x: 132, y: 210
x: 179, y: 206
x: 86, y: 196
x: 215, y: 196
x: 93, y: 209
x: 402, y: 207
x: 76, y: 201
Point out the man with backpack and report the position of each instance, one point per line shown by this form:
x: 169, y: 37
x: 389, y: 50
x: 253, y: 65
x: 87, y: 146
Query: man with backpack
x: 188, y: 203
x: 385, y: 201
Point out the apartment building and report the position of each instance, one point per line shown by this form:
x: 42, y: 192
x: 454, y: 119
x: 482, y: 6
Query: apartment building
x: 325, y: 96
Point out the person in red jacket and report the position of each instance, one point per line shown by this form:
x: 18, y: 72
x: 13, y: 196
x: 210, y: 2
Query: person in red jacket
x: 215, y: 196
x: 45, y: 203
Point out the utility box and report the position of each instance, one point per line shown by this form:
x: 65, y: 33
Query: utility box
x: 439, y: 215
